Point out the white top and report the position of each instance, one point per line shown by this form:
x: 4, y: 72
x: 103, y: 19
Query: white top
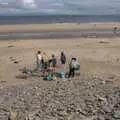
x: 39, y: 58
x: 74, y: 64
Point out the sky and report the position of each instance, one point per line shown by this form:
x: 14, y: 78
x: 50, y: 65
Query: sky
x: 60, y: 6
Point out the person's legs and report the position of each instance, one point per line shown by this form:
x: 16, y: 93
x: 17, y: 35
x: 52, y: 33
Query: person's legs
x: 63, y: 64
x: 73, y: 72
x: 70, y: 73
x: 54, y: 67
x: 38, y: 67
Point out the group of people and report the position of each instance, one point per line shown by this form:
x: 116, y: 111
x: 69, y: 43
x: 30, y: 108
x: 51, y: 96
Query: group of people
x: 45, y: 62
x: 49, y: 63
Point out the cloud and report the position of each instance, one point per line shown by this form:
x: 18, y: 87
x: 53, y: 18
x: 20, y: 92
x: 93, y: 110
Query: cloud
x: 29, y: 4
x: 60, y: 6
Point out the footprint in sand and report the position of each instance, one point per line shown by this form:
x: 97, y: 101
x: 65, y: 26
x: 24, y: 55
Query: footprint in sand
x: 14, y: 60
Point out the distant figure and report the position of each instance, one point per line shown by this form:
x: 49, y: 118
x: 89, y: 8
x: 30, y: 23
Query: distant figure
x: 54, y: 62
x: 39, y: 60
x: 115, y: 30
x: 74, y: 65
x: 63, y: 58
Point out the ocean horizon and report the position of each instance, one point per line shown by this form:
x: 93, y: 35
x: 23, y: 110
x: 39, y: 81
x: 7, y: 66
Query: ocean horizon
x: 49, y: 19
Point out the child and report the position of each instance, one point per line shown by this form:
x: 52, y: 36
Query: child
x: 54, y: 62
x: 45, y: 61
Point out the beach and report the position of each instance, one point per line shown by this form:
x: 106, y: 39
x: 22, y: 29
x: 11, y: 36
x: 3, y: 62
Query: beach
x: 63, y: 27
x: 101, y: 55
x: 59, y: 30
x: 99, y: 59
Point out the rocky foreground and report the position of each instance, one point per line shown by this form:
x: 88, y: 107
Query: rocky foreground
x: 78, y: 99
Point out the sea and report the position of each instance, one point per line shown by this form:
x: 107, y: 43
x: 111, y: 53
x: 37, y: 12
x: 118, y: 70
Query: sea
x: 49, y: 19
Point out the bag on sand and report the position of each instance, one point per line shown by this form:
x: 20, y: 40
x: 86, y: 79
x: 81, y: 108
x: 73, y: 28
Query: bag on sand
x: 51, y: 77
x: 77, y: 67
x: 62, y: 75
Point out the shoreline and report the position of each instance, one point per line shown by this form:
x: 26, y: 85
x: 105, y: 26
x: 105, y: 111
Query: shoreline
x: 60, y: 35
x: 61, y: 30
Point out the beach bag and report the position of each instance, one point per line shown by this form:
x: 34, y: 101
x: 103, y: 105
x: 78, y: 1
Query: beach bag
x: 50, y: 77
x: 62, y: 75
x: 77, y: 67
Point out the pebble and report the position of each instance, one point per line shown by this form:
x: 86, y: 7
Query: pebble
x: 62, y: 101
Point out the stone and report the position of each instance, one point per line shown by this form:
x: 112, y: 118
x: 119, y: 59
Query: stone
x: 116, y: 114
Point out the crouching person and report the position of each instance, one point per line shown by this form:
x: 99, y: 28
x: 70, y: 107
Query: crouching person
x: 73, y: 66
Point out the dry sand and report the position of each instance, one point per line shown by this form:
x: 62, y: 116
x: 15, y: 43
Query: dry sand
x: 98, y: 57
x: 57, y: 27
x: 95, y: 95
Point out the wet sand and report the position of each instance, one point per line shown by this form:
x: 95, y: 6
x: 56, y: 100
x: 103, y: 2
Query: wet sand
x: 55, y: 31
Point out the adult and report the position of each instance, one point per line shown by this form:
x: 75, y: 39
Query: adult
x: 39, y: 60
x: 115, y: 30
x: 54, y: 62
x: 63, y: 59
x: 74, y: 65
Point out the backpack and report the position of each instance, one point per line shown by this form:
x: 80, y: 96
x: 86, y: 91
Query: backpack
x: 77, y: 67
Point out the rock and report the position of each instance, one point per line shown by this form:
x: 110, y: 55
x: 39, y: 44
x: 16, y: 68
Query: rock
x: 116, y: 114
x: 63, y: 100
x: 107, y: 109
x: 100, y: 118
x: 11, y: 46
x: 101, y: 98
x: 16, y: 62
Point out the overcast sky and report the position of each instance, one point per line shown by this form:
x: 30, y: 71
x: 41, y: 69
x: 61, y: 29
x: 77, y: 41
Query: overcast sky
x: 60, y: 6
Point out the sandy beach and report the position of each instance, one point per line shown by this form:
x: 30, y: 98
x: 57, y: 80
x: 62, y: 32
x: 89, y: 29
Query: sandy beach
x: 97, y: 56
x: 58, y: 27
x: 99, y: 59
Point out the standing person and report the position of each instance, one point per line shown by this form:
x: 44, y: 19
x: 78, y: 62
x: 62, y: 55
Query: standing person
x: 45, y: 61
x: 115, y: 30
x: 74, y: 65
x: 54, y: 62
x: 63, y: 58
x: 39, y: 60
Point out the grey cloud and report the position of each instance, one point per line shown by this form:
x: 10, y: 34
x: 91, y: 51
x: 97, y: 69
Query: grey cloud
x: 61, y: 6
